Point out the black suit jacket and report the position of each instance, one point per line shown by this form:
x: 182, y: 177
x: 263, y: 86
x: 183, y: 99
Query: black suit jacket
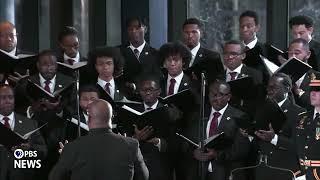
x: 229, y: 158
x: 314, y: 59
x: 284, y: 154
x: 156, y: 159
x: 22, y: 126
x: 117, y: 158
x: 253, y: 60
x: 148, y: 62
x: 209, y: 62
x: 258, y: 92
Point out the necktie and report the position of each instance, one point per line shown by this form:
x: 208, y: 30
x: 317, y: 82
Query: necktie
x: 171, y: 86
x: 46, y: 86
x: 233, y: 75
x: 6, y: 122
x: 136, y: 53
x: 107, y: 88
x: 71, y: 61
x: 214, y: 124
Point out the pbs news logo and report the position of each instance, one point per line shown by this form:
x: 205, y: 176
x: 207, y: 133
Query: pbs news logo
x: 29, y: 163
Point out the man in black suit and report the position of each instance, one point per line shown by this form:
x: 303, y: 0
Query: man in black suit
x: 302, y: 27
x: 69, y: 46
x: 117, y: 157
x: 176, y: 57
x: 8, y: 44
x: 153, y: 141
x: 108, y: 65
x: 44, y: 110
x: 280, y: 147
x: 22, y: 125
x: 220, y: 117
x: 139, y: 56
x: 233, y: 55
x: 299, y: 48
x: 249, y: 26
x: 202, y: 59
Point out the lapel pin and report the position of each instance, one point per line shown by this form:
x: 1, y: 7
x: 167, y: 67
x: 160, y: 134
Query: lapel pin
x: 60, y: 86
x: 200, y: 55
x: 117, y: 90
x: 286, y: 110
x: 20, y: 121
x: 185, y: 84
x: 146, y: 53
x: 228, y: 118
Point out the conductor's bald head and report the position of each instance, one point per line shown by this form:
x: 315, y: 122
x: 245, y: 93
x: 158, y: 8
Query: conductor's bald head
x: 100, y: 113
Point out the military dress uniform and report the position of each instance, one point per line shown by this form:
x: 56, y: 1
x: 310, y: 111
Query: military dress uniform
x: 308, y: 141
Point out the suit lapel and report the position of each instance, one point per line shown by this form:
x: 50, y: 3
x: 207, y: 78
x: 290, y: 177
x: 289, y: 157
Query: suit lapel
x: 199, y: 56
x: 184, y: 84
x: 226, y: 116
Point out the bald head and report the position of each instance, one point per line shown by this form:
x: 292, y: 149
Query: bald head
x: 100, y: 114
x: 8, y: 36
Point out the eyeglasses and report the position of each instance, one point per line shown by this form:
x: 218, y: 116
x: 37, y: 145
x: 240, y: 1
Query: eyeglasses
x: 149, y: 90
x: 218, y: 95
x: 231, y: 54
x: 10, y: 35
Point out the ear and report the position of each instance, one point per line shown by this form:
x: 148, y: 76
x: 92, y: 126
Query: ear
x: 145, y: 29
x: 257, y: 28
x: 308, y: 54
x: 310, y: 29
x: 243, y: 56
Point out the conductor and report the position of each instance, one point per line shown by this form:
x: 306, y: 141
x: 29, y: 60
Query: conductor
x: 102, y: 154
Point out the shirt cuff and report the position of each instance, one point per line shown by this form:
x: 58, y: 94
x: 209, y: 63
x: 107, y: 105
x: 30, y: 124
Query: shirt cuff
x: 29, y: 113
x: 159, y: 144
x: 274, y: 141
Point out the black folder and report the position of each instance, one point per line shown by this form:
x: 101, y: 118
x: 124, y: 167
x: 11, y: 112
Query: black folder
x: 118, y: 103
x: 184, y: 100
x: 157, y: 118
x: 294, y: 68
x: 243, y: 87
x: 70, y: 70
x: 217, y: 142
x: 273, y: 53
x: 20, y: 63
x: 269, y: 112
x: 36, y: 92
x: 11, y: 138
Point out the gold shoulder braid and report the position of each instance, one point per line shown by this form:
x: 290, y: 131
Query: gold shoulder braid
x: 302, y: 120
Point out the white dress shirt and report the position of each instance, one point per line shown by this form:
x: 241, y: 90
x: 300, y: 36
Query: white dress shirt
x: 252, y: 43
x: 51, y: 85
x: 112, y: 86
x: 11, y: 120
x: 221, y: 111
x: 237, y: 70
x: 194, y: 52
x: 154, y: 106
x: 140, y: 48
x: 76, y: 59
x: 177, y: 84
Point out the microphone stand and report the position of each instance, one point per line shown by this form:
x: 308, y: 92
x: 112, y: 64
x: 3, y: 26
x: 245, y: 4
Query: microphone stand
x: 263, y: 161
x: 202, y: 132
x: 78, y: 101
